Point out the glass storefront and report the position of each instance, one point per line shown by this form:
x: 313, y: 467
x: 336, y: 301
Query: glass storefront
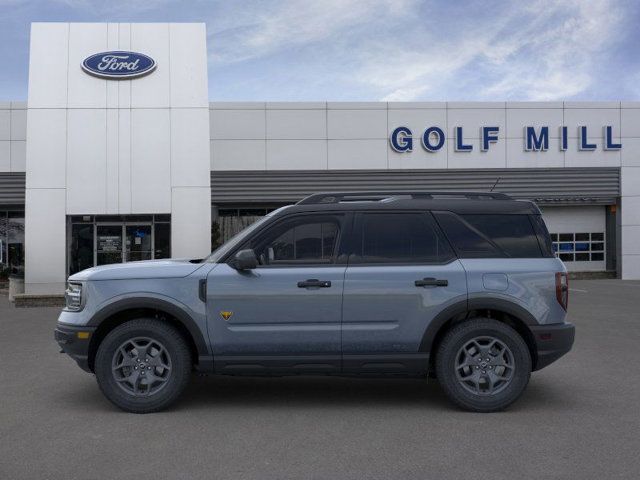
x: 227, y: 221
x: 11, y: 242
x: 103, y: 239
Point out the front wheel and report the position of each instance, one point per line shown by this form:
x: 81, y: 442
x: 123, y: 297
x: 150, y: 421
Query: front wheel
x: 143, y: 365
x: 483, y: 365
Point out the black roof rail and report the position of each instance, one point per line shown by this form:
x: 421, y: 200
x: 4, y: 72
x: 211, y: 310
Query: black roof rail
x: 337, y: 197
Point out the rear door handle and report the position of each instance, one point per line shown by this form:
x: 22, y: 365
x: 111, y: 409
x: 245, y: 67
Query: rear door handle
x: 431, y: 282
x: 312, y: 282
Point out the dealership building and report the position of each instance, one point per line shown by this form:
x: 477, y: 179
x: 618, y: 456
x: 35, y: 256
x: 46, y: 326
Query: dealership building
x: 118, y: 155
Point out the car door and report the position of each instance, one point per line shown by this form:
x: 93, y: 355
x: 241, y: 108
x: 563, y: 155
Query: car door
x: 284, y: 315
x: 402, y: 272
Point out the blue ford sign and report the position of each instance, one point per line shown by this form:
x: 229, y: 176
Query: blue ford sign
x: 118, y: 65
x: 535, y: 140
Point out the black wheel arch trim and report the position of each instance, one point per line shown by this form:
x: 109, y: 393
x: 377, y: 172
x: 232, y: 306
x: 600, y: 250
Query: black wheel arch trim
x: 155, y: 303
x: 468, y: 305
x: 512, y: 308
x: 453, y: 310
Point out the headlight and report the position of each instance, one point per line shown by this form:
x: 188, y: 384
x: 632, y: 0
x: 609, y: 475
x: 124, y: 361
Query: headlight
x: 73, y: 296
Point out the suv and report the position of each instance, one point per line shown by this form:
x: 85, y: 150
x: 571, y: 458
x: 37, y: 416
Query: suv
x: 457, y: 285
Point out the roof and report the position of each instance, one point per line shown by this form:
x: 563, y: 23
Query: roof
x: 457, y: 202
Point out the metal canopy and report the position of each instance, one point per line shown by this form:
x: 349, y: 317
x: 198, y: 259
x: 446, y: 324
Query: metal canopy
x: 565, y: 186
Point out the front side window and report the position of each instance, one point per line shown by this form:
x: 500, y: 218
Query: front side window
x: 303, y: 240
x: 399, y: 238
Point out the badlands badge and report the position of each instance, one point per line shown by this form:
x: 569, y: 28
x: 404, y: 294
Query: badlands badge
x: 225, y: 314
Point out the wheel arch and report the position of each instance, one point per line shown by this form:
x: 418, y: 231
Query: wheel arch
x: 504, y: 311
x: 120, y: 311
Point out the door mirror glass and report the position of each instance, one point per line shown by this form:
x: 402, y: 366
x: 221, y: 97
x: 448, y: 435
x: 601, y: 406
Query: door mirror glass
x: 245, y: 260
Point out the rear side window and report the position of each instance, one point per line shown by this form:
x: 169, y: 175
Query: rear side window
x: 399, y: 238
x: 480, y: 235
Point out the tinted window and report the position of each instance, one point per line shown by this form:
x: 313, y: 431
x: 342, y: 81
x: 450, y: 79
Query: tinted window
x: 544, y: 239
x: 401, y: 238
x: 513, y: 234
x: 304, y: 240
x: 468, y: 242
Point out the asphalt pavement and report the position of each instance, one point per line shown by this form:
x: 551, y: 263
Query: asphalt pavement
x: 579, y: 418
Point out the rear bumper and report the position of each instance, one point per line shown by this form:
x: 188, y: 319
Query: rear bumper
x: 552, y: 342
x: 74, y: 345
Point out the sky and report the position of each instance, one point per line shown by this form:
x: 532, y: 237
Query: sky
x: 377, y: 50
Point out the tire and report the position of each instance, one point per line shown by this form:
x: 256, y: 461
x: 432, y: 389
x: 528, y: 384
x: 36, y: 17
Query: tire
x: 143, y: 365
x: 471, y: 365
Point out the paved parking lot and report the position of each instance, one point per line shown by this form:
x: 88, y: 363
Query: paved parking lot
x: 580, y: 418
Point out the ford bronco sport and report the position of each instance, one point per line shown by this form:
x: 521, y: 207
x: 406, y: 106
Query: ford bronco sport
x: 463, y: 286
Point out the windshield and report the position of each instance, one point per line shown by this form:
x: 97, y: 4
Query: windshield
x: 238, y: 238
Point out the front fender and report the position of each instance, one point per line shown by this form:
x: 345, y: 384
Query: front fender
x: 182, y: 313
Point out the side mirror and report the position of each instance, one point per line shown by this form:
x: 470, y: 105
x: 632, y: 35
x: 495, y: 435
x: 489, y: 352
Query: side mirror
x: 245, y: 260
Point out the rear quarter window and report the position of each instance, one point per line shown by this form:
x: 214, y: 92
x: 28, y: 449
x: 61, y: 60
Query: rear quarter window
x: 491, y: 235
x: 513, y: 234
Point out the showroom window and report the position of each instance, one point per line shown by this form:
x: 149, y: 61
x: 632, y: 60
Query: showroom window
x: 11, y: 242
x: 579, y: 247
x: 103, y: 239
x: 227, y: 221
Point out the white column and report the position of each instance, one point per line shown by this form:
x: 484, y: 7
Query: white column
x: 191, y: 222
x: 630, y: 191
x: 630, y: 223
x: 45, y: 240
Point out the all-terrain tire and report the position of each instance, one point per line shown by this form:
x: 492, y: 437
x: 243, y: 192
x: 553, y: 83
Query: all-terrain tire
x: 458, y: 348
x: 166, y: 357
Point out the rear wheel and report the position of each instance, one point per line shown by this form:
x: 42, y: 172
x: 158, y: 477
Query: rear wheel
x: 143, y: 365
x: 483, y: 365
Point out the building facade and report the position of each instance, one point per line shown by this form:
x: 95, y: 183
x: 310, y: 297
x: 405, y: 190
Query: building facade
x: 96, y: 169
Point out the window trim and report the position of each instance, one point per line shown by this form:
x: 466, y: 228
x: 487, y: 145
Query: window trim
x: 343, y: 219
x: 356, y: 237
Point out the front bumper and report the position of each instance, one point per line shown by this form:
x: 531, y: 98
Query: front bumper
x: 552, y: 342
x: 75, y: 341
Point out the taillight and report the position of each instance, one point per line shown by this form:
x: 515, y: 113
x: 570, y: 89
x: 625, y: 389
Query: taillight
x: 562, y: 289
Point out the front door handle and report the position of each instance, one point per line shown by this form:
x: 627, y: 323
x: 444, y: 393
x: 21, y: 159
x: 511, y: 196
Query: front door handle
x: 312, y: 282
x: 431, y: 282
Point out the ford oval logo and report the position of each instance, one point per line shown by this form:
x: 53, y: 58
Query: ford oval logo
x: 118, y: 65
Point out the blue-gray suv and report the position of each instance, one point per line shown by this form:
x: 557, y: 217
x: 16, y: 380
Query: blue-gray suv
x: 461, y: 286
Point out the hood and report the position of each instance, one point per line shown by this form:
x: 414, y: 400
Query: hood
x: 174, y: 268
